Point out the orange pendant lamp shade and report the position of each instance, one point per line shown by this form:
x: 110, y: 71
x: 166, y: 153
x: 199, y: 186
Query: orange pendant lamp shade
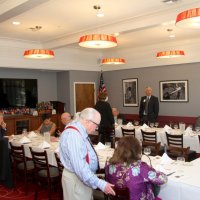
x: 39, y: 54
x: 189, y: 19
x: 170, y: 54
x: 114, y: 61
x: 98, y: 41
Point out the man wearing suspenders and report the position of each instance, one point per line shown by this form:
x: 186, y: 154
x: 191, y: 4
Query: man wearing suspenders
x: 79, y: 158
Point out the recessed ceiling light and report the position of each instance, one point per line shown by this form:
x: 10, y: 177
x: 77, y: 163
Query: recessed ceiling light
x: 16, y: 23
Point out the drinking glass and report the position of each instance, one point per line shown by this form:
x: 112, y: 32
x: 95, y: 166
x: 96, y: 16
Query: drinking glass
x: 156, y: 124
x: 47, y: 136
x: 175, y: 126
x: 151, y: 124
x: 197, y: 129
x: 182, y: 126
x: 136, y: 123
x: 108, y: 144
x: 147, y: 151
x: 24, y: 132
x: 180, y: 160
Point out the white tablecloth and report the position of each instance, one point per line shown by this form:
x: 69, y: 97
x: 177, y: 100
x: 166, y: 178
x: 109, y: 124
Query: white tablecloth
x: 35, y: 142
x: 191, y: 141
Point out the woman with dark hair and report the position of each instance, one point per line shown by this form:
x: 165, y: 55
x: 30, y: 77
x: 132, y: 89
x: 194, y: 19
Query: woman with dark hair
x: 47, y: 125
x: 125, y: 169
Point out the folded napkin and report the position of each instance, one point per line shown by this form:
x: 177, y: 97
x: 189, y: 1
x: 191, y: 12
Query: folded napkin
x: 129, y: 124
x: 100, y: 146
x: 32, y: 134
x: 189, y: 131
x: 24, y: 140
x: 144, y: 126
x: 167, y: 128
x: 165, y: 159
x: 44, y: 145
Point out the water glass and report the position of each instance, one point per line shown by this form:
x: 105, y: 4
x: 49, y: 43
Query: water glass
x: 180, y: 160
x: 175, y: 126
x: 182, y: 126
x: 156, y: 124
x: 24, y: 132
x: 197, y: 128
x: 136, y: 123
x: 147, y: 151
x: 108, y: 144
x: 151, y: 124
x: 47, y: 136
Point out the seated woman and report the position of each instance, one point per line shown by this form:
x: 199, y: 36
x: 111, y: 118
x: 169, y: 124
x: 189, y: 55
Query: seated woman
x: 125, y: 169
x: 47, y: 125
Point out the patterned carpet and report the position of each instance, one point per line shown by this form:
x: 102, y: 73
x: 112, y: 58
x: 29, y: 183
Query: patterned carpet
x: 19, y: 194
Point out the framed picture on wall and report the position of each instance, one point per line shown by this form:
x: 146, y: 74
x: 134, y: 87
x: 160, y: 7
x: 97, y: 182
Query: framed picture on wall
x: 130, y: 92
x: 174, y: 91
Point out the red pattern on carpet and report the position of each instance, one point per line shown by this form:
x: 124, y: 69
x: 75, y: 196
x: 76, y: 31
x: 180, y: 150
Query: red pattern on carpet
x: 19, y: 194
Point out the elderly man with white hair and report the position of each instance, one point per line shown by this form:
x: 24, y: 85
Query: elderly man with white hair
x: 80, y: 159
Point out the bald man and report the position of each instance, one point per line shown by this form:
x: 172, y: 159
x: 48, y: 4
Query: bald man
x: 66, y: 118
x: 149, y: 107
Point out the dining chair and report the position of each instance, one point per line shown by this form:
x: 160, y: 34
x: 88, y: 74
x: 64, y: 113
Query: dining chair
x: 21, y: 164
x: 44, y: 173
x: 110, y: 135
x: 150, y: 140
x: 121, y: 194
x: 60, y: 169
x: 175, y: 146
x: 128, y: 132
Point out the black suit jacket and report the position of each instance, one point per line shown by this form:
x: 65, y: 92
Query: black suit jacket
x: 153, y: 108
x: 2, y: 132
x: 107, y: 119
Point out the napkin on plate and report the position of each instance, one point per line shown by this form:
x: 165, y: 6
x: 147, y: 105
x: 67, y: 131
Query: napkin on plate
x: 24, y: 140
x: 32, y: 134
x: 165, y: 159
x: 44, y: 145
x: 167, y: 128
x: 100, y: 146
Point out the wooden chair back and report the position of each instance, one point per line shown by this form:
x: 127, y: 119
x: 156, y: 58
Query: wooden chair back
x: 128, y: 132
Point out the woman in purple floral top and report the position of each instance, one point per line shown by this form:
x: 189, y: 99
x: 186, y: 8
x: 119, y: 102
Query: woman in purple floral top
x: 125, y: 169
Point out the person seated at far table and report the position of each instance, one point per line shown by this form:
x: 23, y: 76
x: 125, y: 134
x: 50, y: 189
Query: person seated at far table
x: 47, y: 125
x: 65, y: 120
x: 125, y: 169
x: 2, y: 126
x: 118, y: 116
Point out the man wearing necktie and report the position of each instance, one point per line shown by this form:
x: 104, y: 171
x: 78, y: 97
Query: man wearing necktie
x: 149, y: 107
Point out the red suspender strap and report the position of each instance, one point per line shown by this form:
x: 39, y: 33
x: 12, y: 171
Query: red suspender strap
x: 87, y: 155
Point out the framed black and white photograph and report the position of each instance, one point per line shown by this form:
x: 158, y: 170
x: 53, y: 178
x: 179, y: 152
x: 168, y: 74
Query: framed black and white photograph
x: 174, y: 91
x: 130, y: 92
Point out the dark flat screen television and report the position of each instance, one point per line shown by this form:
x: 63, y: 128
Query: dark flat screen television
x: 18, y: 93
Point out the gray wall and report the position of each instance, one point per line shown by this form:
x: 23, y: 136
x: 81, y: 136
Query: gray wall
x: 151, y: 76
x: 47, y: 87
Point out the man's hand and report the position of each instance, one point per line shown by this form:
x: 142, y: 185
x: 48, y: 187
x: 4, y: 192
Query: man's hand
x: 109, y: 189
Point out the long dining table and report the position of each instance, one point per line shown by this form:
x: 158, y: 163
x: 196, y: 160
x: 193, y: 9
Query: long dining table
x: 190, y: 140
x: 183, y: 183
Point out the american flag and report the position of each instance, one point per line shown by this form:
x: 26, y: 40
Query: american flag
x: 102, y: 86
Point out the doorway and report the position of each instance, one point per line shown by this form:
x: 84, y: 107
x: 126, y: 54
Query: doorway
x: 84, y: 95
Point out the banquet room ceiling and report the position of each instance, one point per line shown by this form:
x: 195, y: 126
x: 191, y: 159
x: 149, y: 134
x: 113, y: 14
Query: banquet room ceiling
x: 143, y: 26
x: 138, y: 22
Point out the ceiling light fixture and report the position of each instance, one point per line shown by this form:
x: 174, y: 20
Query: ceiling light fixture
x: 99, y: 11
x: 189, y: 18
x: 170, y: 54
x: 38, y: 53
x: 98, y: 41
x: 114, y: 61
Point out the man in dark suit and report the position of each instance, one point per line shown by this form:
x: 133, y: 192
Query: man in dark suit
x: 2, y: 126
x: 149, y: 107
